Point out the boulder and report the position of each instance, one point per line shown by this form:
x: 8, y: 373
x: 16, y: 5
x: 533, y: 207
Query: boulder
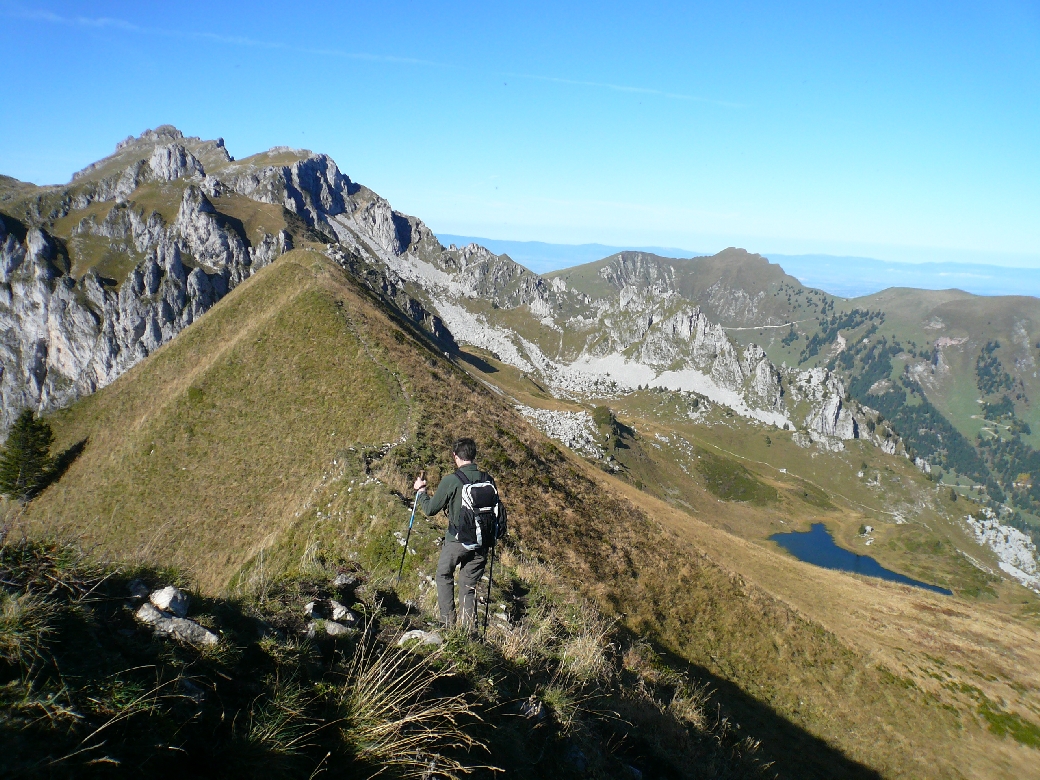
x: 420, y: 636
x: 332, y: 628
x: 341, y: 614
x: 171, y: 599
x: 330, y: 609
x: 179, y: 628
x: 345, y: 581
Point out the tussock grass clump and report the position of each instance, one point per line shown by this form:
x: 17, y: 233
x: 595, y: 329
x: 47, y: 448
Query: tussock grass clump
x: 566, y: 701
x: 26, y: 620
x: 85, y: 689
x: 391, y: 721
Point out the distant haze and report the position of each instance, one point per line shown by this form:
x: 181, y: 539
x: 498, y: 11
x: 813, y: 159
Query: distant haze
x: 847, y: 277
x: 542, y: 258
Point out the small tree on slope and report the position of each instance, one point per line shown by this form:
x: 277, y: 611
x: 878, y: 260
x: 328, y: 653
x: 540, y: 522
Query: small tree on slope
x: 25, y: 457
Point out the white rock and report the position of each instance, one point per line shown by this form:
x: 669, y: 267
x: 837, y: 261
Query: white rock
x: 342, y: 614
x: 344, y: 580
x: 1015, y: 550
x: 170, y: 599
x: 574, y: 429
x: 179, y: 628
x: 332, y: 628
x: 418, y: 635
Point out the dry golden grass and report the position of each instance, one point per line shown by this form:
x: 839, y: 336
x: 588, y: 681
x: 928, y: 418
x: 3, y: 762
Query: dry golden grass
x: 825, y: 669
x: 916, y: 651
x: 393, y: 722
x: 201, y: 457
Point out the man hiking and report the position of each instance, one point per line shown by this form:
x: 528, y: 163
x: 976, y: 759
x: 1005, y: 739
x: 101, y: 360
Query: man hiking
x: 466, y: 547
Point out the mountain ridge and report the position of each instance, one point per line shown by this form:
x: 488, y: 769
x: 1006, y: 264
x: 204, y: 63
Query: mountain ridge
x: 847, y: 276
x: 282, y: 428
x: 285, y: 350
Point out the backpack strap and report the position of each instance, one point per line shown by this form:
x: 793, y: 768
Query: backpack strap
x: 484, y: 477
x: 465, y: 481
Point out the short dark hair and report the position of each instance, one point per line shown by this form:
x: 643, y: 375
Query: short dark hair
x: 465, y: 448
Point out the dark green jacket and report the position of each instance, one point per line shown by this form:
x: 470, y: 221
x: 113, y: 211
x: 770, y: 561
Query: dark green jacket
x: 449, y: 495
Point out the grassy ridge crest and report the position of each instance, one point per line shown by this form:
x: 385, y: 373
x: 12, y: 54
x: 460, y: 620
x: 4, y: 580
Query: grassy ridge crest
x: 282, y: 430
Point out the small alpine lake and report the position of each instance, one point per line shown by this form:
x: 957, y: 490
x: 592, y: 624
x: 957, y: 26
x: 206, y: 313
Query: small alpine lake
x: 817, y: 547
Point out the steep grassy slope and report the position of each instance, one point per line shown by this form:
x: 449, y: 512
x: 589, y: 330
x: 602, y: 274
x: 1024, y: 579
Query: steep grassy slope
x: 224, y: 435
x: 283, y: 429
x: 961, y: 653
x: 963, y: 324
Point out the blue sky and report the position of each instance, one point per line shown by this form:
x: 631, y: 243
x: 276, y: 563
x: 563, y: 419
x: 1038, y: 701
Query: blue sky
x: 904, y: 131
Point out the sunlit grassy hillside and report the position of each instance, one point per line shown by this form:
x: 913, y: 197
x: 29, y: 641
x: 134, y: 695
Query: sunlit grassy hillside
x: 284, y: 428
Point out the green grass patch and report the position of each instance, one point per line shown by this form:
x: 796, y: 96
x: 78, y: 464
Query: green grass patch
x: 730, y: 481
x: 1009, y: 724
x: 812, y: 495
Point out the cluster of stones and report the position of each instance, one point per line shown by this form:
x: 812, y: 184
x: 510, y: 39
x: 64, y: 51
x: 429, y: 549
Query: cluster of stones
x: 166, y: 610
x: 574, y: 429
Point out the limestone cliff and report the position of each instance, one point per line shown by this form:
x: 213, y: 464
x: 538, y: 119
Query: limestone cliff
x: 97, y: 274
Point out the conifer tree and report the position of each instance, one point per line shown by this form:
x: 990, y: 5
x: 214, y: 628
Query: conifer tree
x: 25, y: 457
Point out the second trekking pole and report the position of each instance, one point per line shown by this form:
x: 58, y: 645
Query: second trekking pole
x: 491, y: 580
x: 411, y: 521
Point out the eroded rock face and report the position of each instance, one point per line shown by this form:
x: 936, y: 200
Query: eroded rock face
x: 172, y: 161
x: 63, y: 337
x: 829, y: 416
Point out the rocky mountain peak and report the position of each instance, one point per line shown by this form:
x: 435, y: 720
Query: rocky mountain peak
x: 164, y: 154
x: 161, y: 134
x: 172, y: 161
x: 639, y: 270
x: 634, y: 320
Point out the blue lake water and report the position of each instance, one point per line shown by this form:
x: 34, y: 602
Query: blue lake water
x: 818, y: 548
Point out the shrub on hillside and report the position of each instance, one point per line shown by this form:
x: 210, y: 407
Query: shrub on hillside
x: 25, y: 457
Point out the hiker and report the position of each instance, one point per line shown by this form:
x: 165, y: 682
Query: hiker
x: 462, y: 547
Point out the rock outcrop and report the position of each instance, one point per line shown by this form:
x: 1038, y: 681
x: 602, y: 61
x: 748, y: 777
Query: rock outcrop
x: 64, y: 334
x: 166, y: 624
x: 166, y: 611
x: 829, y: 416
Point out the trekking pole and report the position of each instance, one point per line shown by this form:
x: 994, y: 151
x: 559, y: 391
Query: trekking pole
x: 487, y: 603
x: 411, y: 520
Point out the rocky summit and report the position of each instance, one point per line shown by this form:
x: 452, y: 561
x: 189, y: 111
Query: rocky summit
x: 97, y: 274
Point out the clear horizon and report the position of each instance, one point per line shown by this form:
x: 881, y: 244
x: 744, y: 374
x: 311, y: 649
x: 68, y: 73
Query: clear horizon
x: 902, y: 133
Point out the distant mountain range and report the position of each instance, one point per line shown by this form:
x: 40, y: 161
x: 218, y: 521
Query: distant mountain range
x: 542, y: 257
x: 846, y: 277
